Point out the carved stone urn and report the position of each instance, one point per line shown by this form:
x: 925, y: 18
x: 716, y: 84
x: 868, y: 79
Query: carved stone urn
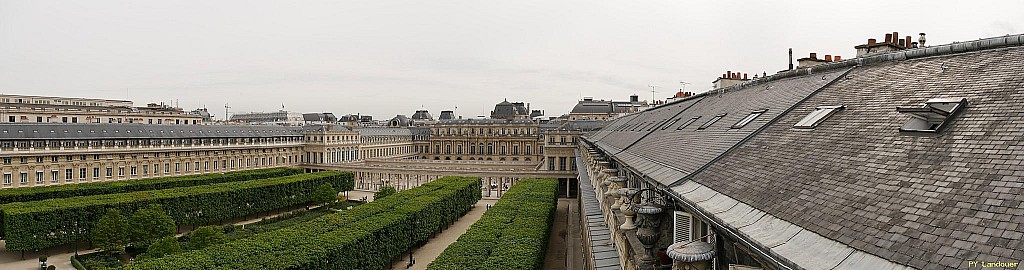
x: 648, y: 222
x: 627, y: 209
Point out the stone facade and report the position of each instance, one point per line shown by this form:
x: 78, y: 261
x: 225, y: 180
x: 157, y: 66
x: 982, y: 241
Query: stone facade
x: 64, y: 110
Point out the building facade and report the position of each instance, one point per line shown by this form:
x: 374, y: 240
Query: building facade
x: 65, y: 110
x: 484, y: 139
x: 278, y: 117
x: 56, y: 154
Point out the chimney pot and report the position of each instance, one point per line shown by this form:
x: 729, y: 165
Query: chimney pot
x: 744, y: 76
x: 728, y: 74
x: 888, y: 38
x: 814, y: 55
x: 872, y: 41
x: 901, y: 43
x: 895, y: 36
x: 915, y: 44
x: 828, y: 58
x: 838, y: 58
x: 907, y: 42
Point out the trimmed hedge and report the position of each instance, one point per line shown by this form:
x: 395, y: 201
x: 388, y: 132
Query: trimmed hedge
x: 27, y: 194
x: 47, y: 223
x: 513, y: 234
x: 368, y: 236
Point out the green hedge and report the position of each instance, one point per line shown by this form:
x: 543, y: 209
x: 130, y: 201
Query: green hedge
x: 47, y: 223
x: 511, y: 235
x: 368, y: 236
x: 27, y: 194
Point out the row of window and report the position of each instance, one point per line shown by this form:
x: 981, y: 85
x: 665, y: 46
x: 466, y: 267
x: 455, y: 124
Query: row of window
x: 473, y: 149
x: 69, y: 174
x: 41, y: 159
x: 930, y: 117
x: 484, y: 131
x: 562, y: 162
x: 140, y: 142
x: 110, y: 120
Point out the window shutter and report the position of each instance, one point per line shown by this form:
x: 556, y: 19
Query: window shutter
x: 682, y: 227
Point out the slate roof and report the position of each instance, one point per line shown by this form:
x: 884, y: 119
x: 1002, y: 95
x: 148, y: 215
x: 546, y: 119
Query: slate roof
x: 653, y: 144
x: 931, y: 201
x: 384, y: 132
x: 29, y: 131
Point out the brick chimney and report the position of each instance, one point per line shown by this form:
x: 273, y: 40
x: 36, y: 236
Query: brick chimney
x: 729, y: 79
x: 893, y: 42
x: 812, y: 60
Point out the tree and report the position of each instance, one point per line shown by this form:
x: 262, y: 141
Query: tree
x: 206, y: 236
x: 109, y: 234
x: 163, y: 247
x: 150, y: 224
x: 384, y: 192
x: 325, y: 194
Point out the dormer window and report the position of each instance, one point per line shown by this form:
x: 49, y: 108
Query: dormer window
x: 712, y: 121
x: 934, y: 115
x: 750, y: 118
x: 819, y: 115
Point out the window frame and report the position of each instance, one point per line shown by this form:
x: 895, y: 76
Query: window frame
x: 749, y: 118
x: 711, y: 122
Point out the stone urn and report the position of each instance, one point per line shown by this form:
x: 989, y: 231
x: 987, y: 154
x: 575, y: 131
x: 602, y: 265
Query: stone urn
x: 694, y: 255
x: 616, y: 184
x: 627, y: 209
x: 648, y: 222
x: 620, y: 198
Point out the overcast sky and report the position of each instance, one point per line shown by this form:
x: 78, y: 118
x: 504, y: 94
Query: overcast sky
x: 393, y: 57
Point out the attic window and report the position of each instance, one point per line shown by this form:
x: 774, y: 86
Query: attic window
x: 688, y: 122
x: 934, y: 115
x: 750, y: 118
x: 712, y: 121
x: 670, y: 124
x: 819, y: 114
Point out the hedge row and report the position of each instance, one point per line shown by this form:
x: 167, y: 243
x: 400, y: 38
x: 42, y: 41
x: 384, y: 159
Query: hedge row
x: 511, y: 235
x: 27, y: 194
x: 47, y: 223
x: 368, y: 236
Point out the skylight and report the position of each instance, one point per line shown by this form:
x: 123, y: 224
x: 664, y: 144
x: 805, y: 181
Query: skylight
x: 670, y: 124
x: 934, y: 115
x: 750, y: 117
x: 819, y: 114
x: 712, y: 121
x: 688, y: 122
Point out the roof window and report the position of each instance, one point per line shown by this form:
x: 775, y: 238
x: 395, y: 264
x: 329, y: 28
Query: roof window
x: 934, y: 115
x: 712, y: 121
x: 670, y: 124
x: 819, y: 114
x: 750, y: 118
x: 688, y: 122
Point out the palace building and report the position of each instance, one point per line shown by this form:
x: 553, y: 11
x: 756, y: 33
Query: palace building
x: 65, y: 110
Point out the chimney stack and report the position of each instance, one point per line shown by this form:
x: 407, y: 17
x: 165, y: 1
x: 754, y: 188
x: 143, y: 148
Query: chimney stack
x: 828, y: 58
x: 872, y: 41
x: 901, y: 44
x: 888, y: 38
x: 838, y: 58
x: 791, y: 56
x: 814, y: 56
x: 920, y: 40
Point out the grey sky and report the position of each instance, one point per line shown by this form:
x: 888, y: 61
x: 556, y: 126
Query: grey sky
x: 391, y: 57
